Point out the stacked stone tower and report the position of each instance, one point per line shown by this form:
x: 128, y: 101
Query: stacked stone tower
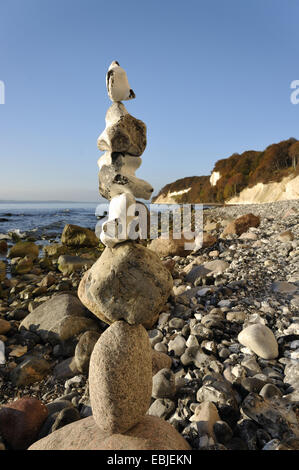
x: 128, y: 286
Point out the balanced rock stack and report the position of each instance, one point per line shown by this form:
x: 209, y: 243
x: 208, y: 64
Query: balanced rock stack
x: 127, y: 287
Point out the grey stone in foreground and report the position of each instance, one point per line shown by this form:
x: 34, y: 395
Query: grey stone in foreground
x: 58, y: 319
x: 151, y: 433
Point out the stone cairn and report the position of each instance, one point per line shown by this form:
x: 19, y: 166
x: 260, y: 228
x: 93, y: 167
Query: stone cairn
x: 127, y: 287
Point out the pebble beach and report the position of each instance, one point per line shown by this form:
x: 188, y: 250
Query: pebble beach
x: 225, y: 346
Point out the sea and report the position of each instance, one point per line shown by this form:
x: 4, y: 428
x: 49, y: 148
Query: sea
x: 46, y: 220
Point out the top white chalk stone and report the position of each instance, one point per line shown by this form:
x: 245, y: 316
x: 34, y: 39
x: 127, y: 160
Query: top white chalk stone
x: 117, y: 83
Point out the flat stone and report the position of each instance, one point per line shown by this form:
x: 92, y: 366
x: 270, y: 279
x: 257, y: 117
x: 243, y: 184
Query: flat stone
x: 127, y: 282
x: 58, y: 319
x: 151, y: 433
x: 260, y: 339
x: 120, y: 377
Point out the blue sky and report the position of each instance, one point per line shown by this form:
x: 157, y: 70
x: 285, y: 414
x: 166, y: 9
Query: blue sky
x: 211, y: 78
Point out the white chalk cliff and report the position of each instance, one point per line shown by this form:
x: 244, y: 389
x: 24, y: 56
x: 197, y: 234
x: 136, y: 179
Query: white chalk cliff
x: 286, y: 189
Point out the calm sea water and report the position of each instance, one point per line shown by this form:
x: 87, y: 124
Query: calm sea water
x: 48, y: 217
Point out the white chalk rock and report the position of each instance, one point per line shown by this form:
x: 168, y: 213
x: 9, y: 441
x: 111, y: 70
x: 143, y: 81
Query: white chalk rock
x: 260, y: 339
x: 117, y: 228
x: 117, y: 83
x: 117, y: 176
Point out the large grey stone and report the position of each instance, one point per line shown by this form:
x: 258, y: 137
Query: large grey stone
x: 127, y: 282
x: 120, y: 377
x: 58, y: 319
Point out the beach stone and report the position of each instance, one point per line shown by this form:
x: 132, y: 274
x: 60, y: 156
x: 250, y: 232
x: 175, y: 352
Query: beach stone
x: 169, y: 264
x: 54, y: 250
x: 66, y: 369
x: 3, y: 246
x: 58, y: 319
x: 54, y: 409
x: 170, y: 246
x: 65, y: 416
x: 120, y: 377
x: 117, y: 177
x: 151, y: 433
x: 48, y: 280
x: 177, y: 345
x: 30, y: 370
x: 2, y: 271
x: 127, y: 282
x: 241, y: 224
x: 260, y: 339
x: 76, y: 236
x: 275, y: 416
x: 210, y: 268
x: 22, y: 249
x: 123, y: 133
x: 5, y: 326
x: 208, y: 240
x: 164, y: 384
x: 160, y: 361
x: 2, y: 353
x: 286, y: 236
x: 162, y: 408
x: 248, y: 236
x: 23, y: 266
x: 69, y: 264
x: 205, y: 415
x: 21, y: 420
x: 270, y: 390
x: 222, y: 431
x: 284, y: 287
x: 84, y: 349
